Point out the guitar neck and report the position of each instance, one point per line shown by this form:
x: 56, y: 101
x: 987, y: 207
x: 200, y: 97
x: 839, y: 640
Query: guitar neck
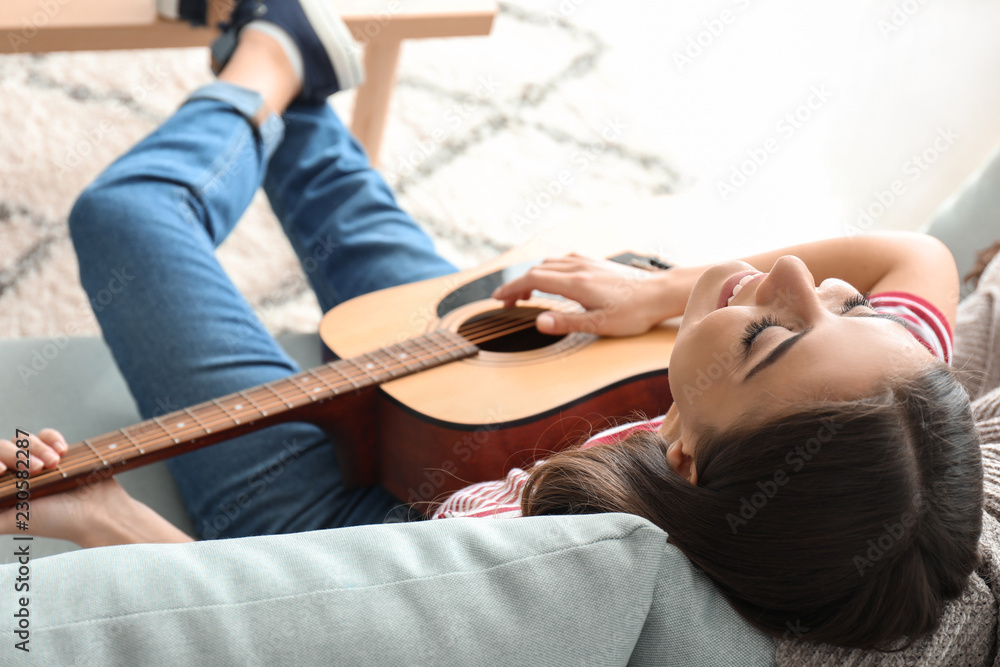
x: 100, y: 457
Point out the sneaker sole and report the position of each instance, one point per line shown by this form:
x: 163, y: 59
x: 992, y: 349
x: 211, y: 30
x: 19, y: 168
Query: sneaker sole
x: 169, y: 9
x: 337, y: 40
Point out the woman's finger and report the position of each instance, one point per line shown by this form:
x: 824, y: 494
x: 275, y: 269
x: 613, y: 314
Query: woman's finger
x: 543, y: 280
x: 9, y: 457
x: 556, y: 323
x: 44, y: 451
x: 568, y: 263
x: 38, y: 455
x: 55, y: 439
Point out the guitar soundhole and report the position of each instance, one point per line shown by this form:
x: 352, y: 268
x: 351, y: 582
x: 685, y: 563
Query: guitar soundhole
x: 507, y: 330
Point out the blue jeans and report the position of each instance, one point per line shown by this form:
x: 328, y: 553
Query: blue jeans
x: 181, y: 333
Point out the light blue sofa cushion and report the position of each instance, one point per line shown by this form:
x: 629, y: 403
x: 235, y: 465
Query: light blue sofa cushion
x: 586, y: 590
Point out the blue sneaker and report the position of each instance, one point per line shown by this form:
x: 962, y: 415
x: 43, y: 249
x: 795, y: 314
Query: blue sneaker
x: 330, y: 57
x: 194, y: 12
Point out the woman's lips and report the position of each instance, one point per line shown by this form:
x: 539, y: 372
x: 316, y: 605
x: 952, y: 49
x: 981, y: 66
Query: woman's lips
x: 727, y: 287
x: 743, y: 284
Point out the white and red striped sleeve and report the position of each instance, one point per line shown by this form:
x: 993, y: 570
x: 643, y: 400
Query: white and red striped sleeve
x: 922, y: 318
x: 499, y: 499
x: 619, y: 433
x: 502, y: 498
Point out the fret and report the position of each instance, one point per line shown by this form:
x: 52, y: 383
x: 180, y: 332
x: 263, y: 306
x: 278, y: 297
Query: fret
x: 132, y: 441
x: 228, y: 414
x: 377, y: 358
x: 446, y: 346
x: 251, y: 402
x: 279, y: 396
x: 61, y: 472
x: 105, y: 442
x: 195, y: 417
x: 335, y: 366
x: 86, y: 441
x: 371, y: 373
x: 393, y: 367
x: 405, y: 357
x: 458, y: 346
x: 364, y: 370
x: 305, y: 392
x: 433, y: 342
x: 449, y: 347
x: 422, y: 350
x: 170, y: 435
x: 334, y: 388
x: 440, y: 347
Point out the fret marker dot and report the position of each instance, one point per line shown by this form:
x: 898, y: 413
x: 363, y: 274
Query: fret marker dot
x: 402, y: 355
x: 239, y: 406
x: 315, y: 390
x: 112, y: 445
x: 180, y: 424
x: 369, y: 365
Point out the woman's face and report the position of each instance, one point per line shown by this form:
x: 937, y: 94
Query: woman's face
x: 779, y: 344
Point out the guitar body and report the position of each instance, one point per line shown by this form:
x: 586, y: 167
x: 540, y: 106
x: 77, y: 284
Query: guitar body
x: 473, y: 420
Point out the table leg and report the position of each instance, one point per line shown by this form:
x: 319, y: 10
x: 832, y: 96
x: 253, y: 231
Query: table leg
x: 371, y: 106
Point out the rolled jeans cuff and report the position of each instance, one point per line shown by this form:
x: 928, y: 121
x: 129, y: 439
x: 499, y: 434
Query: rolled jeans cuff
x: 247, y: 103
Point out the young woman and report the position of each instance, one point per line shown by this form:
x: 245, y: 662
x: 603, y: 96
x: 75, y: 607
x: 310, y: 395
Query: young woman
x: 819, y: 462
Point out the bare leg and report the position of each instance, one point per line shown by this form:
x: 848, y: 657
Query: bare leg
x: 260, y: 64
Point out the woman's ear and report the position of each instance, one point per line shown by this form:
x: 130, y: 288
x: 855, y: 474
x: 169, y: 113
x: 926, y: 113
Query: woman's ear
x: 681, y: 462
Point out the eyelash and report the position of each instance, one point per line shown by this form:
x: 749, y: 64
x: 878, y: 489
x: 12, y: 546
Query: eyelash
x: 856, y: 301
x: 756, y: 327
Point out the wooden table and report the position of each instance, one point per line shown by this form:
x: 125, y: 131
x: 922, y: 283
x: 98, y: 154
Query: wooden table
x: 37, y: 26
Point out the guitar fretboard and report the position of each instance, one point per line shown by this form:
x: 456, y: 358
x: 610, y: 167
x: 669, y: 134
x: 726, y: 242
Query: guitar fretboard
x: 218, y: 415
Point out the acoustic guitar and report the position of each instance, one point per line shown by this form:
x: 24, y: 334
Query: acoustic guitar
x: 437, y: 386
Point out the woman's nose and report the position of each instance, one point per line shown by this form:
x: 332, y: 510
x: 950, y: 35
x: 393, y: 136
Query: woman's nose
x: 789, y: 287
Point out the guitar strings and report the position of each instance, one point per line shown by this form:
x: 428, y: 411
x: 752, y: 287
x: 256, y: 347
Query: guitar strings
x: 486, y: 329
x: 492, y: 330
x: 483, y: 326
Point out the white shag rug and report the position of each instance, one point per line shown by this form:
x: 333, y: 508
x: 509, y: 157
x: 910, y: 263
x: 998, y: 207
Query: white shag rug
x: 515, y: 108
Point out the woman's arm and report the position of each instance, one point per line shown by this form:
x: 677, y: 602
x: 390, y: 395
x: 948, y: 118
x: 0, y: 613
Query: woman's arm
x: 94, y: 515
x: 621, y: 301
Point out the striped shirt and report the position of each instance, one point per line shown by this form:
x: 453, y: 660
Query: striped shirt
x: 923, y: 319
x: 502, y: 498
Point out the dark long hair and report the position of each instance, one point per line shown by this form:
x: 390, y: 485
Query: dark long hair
x: 851, y: 523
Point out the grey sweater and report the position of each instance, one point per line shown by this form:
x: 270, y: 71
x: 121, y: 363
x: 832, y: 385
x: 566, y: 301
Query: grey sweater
x: 968, y: 631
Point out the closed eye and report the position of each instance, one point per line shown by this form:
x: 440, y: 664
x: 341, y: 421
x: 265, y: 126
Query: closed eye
x: 858, y: 300
x: 755, y: 328
x: 861, y: 301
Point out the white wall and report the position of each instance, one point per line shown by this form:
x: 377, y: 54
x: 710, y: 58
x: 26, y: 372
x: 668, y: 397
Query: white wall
x: 897, y: 75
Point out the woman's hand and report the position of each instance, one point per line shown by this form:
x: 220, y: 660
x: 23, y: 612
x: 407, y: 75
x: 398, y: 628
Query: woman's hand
x: 619, y: 300
x: 44, y: 451
x: 99, y: 513
x: 80, y: 515
x: 64, y: 516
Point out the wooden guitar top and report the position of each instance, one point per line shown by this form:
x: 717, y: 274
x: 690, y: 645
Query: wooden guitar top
x: 495, y: 387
